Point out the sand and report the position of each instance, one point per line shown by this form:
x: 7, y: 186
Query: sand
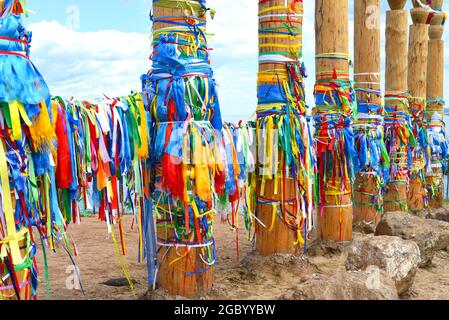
x: 250, y: 278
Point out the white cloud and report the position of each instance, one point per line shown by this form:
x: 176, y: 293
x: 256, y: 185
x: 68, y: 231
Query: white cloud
x: 88, y: 64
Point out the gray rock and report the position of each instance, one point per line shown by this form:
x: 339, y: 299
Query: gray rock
x: 120, y: 282
x: 442, y: 229
x: 440, y: 214
x: 398, y: 258
x: 360, y: 285
x: 364, y: 227
x: 411, y: 227
x: 326, y: 248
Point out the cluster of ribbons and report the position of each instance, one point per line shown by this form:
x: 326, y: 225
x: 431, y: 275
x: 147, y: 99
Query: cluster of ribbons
x: 373, y: 158
x: 31, y: 166
x: 400, y: 140
x: 284, y: 140
x: 421, y: 153
x: 79, y: 155
x: 187, y: 172
x: 8, y: 7
x: 439, y: 148
x: 105, y: 150
x: 338, y: 160
x: 436, y: 132
x: 239, y: 190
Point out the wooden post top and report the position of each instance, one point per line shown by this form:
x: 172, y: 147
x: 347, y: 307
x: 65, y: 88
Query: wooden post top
x: 437, y: 5
x: 397, y: 4
x: 437, y: 21
x: 420, y: 15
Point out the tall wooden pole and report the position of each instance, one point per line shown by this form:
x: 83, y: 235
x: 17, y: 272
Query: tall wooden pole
x: 435, y: 108
x: 332, y: 115
x: 183, y: 199
x: 368, y: 127
x: 417, y: 85
x: 285, y: 168
x: 397, y: 120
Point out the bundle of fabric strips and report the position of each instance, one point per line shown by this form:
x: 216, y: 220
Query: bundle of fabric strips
x: 399, y: 141
x: 421, y: 153
x: 373, y: 158
x: 239, y: 191
x: 106, y: 145
x: 338, y: 160
x: 439, y: 148
x: 187, y: 169
x: 60, y: 157
x: 29, y: 162
x: 285, y: 157
x: 436, y: 131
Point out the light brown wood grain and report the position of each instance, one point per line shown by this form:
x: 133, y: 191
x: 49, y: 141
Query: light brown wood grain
x: 331, y: 29
x: 417, y: 85
x: 417, y: 60
x: 435, y: 91
x: 396, y: 51
x: 281, y: 238
x: 396, y: 77
x: 366, y: 66
x: 173, y: 276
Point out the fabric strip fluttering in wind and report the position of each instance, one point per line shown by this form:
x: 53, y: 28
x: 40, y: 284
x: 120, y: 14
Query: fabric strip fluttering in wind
x: 105, y: 145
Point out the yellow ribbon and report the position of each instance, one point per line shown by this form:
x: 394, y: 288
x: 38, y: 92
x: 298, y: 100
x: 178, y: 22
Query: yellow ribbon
x: 13, y: 236
x: 16, y: 111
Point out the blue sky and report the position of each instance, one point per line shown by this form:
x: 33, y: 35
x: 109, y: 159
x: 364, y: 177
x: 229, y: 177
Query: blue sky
x: 85, y: 48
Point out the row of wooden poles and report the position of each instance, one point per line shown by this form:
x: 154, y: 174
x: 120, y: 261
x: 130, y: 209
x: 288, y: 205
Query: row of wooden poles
x: 414, y: 63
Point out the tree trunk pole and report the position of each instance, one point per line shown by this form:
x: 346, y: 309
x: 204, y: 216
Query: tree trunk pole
x: 417, y: 83
x: 368, y: 199
x: 284, y: 191
x: 332, y: 115
x: 186, y: 249
x: 435, y: 108
x: 397, y: 119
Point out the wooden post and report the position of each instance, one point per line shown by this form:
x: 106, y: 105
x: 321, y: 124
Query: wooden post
x: 332, y: 116
x: 183, y: 269
x: 417, y: 84
x: 284, y: 172
x: 435, y: 107
x: 396, y: 105
x: 368, y: 199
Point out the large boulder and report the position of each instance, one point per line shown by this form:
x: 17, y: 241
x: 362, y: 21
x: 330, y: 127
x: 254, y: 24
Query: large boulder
x: 442, y: 229
x: 398, y: 258
x: 429, y: 236
x: 359, y: 285
x: 440, y: 214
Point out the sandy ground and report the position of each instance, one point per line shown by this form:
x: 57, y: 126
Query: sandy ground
x: 250, y: 278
